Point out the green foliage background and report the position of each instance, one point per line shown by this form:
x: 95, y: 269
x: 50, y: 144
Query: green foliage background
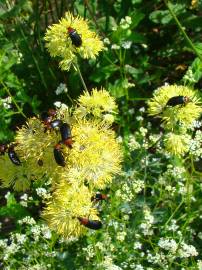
x: 159, y: 53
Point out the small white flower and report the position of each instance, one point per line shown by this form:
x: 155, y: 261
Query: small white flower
x: 128, y: 19
x: 27, y: 220
x: 168, y: 244
x: 115, y: 47
x: 6, y: 102
x: 62, y: 88
x: 57, y: 104
x: 142, y: 109
x: 121, y: 236
x: 7, y: 195
x: 139, y: 118
x: 106, y: 41
x: 126, y: 44
x: 137, y: 245
x: 187, y: 251
x: 24, y: 197
x: 42, y: 192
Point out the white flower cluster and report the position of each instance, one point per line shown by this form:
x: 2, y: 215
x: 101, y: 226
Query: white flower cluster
x: 195, y: 146
x: 24, y: 200
x: 138, y: 185
x: 186, y: 251
x: 6, y: 102
x: 189, y: 76
x: 181, y: 250
x: 158, y: 258
x: 196, y: 124
x: 89, y: 252
x: 168, y: 244
x: 125, y: 22
x: 62, y: 88
x: 43, y: 193
x: 108, y: 264
x: 137, y: 245
x: 21, y: 245
x: 121, y: 236
x: 27, y: 220
x: 173, y: 226
x: 146, y: 226
x: 126, y: 44
x: 132, y: 143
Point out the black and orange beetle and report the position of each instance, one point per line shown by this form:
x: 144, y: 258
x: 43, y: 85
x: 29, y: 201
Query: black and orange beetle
x: 75, y: 37
x: 178, y: 100
x: 91, y: 224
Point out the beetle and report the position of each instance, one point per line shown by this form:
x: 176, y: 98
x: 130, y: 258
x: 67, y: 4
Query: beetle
x: 3, y: 148
x: 66, y: 135
x: 99, y: 197
x: 56, y: 123
x: 59, y: 157
x: 91, y: 224
x: 75, y: 37
x: 177, y: 100
x: 13, y: 156
x: 47, y: 118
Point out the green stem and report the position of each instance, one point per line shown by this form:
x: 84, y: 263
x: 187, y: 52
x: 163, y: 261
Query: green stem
x: 175, y: 211
x: 76, y: 66
x: 34, y: 58
x: 9, y: 93
x: 167, y: 3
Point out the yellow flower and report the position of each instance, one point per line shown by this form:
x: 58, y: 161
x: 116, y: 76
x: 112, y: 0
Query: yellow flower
x: 99, y: 104
x: 95, y: 156
x: 67, y: 204
x: 177, y: 144
x: 172, y: 116
x: 19, y: 177
x: 59, y: 43
x: 36, y: 146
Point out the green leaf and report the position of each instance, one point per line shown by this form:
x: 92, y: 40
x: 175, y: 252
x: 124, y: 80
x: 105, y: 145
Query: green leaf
x: 13, y: 208
x: 119, y: 88
x: 164, y: 16
x: 103, y: 73
x: 198, y: 47
x: 137, y: 16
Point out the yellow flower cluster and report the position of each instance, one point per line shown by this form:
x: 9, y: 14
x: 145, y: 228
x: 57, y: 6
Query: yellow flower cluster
x: 178, y: 106
x: 100, y: 104
x: 91, y: 162
x: 59, y: 42
x: 183, y: 114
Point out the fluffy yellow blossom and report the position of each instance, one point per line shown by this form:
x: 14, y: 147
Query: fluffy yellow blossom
x: 59, y: 43
x: 19, y: 177
x: 98, y: 104
x: 177, y: 144
x: 68, y: 203
x: 95, y: 156
x: 89, y: 164
x: 36, y: 146
x: 172, y: 116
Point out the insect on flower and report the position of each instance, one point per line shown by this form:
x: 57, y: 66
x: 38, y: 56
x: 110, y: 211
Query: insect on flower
x: 91, y: 224
x: 59, y: 157
x: 75, y: 37
x: 13, y: 156
x: 11, y: 153
x: 66, y: 134
x: 99, y: 197
x: 178, y: 100
x: 47, y: 119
